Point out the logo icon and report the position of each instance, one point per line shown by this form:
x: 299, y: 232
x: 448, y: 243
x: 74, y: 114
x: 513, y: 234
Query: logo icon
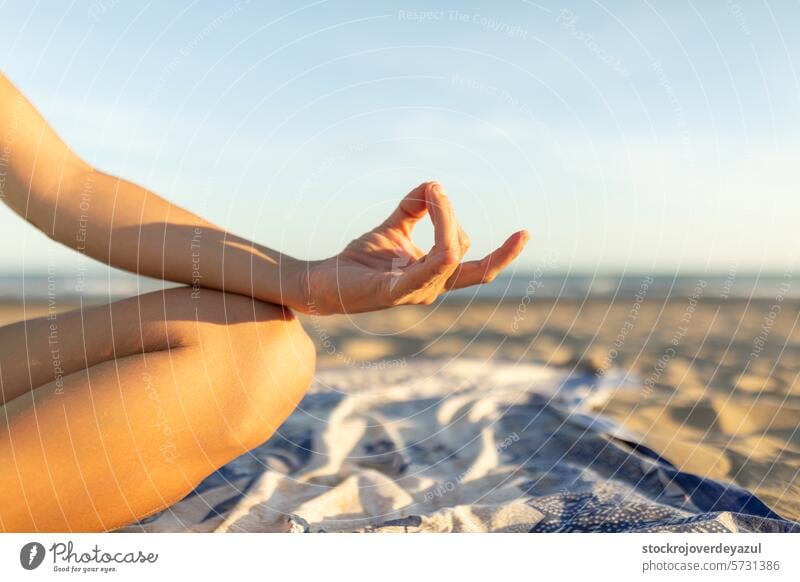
x: 31, y: 555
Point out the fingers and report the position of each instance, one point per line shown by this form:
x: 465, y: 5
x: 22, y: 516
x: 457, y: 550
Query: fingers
x: 441, y: 269
x: 412, y: 209
x: 445, y: 227
x: 463, y: 240
x: 485, y: 270
x: 425, y: 280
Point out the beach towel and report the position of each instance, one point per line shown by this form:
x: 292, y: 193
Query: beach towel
x: 460, y: 445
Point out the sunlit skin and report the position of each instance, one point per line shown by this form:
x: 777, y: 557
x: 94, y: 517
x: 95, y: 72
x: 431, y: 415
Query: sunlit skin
x: 111, y: 413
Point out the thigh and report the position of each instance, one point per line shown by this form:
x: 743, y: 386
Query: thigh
x: 156, y: 392
x: 122, y: 440
x: 47, y: 349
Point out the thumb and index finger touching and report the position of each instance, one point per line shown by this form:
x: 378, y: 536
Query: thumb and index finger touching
x: 442, y: 268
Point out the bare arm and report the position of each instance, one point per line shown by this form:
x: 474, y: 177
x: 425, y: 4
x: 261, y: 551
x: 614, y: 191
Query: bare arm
x: 129, y: 227
x: 125, y: 225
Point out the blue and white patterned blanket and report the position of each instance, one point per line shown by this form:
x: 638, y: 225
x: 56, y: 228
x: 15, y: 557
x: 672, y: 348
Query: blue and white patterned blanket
x: 459, y: 445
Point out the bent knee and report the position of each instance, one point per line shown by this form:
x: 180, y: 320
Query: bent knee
x: 272, y: 333
x: 273, y: 359
x: 277, y: 377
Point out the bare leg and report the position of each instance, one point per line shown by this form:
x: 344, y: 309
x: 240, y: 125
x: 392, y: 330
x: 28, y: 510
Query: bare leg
x: 153, y: 394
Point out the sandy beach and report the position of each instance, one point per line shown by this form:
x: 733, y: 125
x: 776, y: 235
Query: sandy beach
x: 717, y: 389
x: 720, y: 392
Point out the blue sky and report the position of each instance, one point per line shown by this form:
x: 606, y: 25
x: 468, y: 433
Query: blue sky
x: 625, y: 136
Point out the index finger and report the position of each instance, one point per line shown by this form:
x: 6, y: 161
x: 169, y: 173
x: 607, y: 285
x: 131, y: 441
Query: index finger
x: 445, y: 227
x: 412, y: 209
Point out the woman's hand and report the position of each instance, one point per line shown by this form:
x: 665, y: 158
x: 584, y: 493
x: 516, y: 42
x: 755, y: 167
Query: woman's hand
x: 384, y: 268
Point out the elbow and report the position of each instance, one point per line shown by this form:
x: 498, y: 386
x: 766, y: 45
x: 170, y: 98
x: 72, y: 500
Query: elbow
x: 61, y: 208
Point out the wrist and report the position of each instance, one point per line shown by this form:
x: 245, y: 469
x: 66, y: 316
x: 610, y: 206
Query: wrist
x: 295, y: 289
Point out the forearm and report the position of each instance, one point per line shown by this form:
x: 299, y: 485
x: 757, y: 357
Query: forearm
x: 125, y: 225
x: 129, y: 227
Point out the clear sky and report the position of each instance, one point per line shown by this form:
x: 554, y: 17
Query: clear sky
x: 624, y: 135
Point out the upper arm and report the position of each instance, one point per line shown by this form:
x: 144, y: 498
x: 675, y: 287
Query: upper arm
x: 35, y: 163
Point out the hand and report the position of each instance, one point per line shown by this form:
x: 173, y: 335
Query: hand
x: 384, y: 268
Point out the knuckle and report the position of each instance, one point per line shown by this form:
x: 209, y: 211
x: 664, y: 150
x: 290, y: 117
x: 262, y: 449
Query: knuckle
x: 449, y: 257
